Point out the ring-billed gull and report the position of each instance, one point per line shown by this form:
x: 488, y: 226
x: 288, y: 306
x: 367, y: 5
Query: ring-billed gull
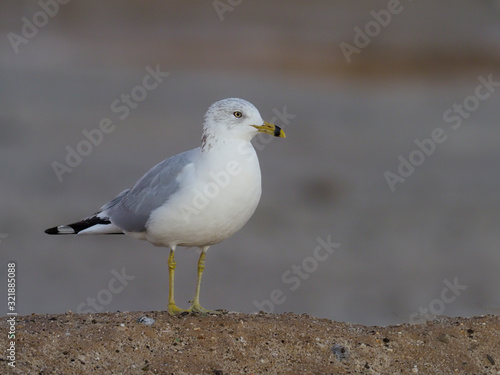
x: 196, y: 198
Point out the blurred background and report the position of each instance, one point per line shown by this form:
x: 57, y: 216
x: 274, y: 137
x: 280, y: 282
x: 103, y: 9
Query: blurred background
x: 359, y: 81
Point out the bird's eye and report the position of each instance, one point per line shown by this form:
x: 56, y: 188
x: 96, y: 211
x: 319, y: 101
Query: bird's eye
x: 237, y: 114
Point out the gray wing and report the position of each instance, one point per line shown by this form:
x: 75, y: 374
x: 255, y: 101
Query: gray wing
x: 131, y: 209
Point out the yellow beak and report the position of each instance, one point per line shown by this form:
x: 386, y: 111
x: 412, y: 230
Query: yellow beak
x: 270, y: 129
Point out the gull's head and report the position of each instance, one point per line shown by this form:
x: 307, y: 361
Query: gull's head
x: 235, y: 119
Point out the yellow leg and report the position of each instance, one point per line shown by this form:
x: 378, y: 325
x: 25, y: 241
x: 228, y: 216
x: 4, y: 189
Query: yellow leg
x: 196, y: 307
x: 172, y: 308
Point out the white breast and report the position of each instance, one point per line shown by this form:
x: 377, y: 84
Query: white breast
x: 217, y: 196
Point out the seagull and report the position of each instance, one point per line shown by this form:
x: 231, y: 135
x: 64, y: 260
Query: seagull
x: 197, y: 198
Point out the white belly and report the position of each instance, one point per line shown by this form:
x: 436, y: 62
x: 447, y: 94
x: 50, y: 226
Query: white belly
x: 211, y: 204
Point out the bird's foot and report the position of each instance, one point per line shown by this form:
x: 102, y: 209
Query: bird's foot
x: 196, y: 308
x: 174, y: 310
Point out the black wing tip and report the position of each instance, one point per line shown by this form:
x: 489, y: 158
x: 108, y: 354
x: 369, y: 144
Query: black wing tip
x: 52, y: 230
x: 55, y: 230
x: 77, y: 227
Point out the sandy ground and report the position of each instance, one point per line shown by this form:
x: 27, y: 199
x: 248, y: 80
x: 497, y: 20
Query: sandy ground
x: 236, y: 343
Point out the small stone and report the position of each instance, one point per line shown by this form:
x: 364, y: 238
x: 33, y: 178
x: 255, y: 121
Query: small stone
x: 444, y: 338
x: 490, y: 358
x: 473, y: 346
x: 146, y: 320
x: 340, y: 352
